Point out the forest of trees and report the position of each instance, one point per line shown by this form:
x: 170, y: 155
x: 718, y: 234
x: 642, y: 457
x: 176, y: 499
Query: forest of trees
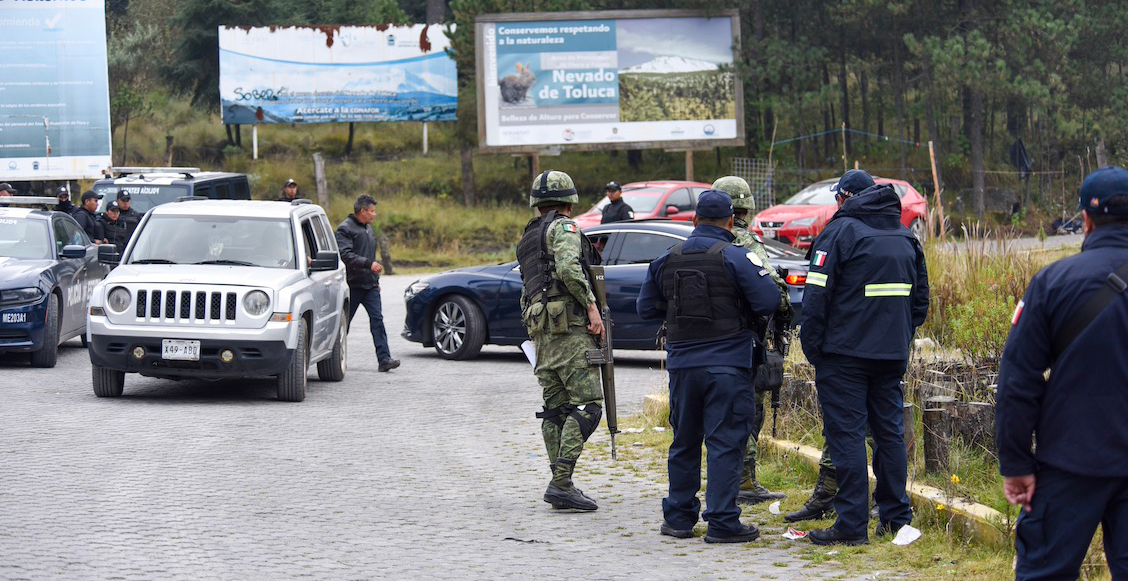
x: 973, y: 76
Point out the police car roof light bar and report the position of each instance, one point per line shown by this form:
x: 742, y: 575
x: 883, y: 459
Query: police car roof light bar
x: 30, y: 200
x: 124, y: 171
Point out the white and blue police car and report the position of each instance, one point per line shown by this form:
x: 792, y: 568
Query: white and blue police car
x: 48, y: 267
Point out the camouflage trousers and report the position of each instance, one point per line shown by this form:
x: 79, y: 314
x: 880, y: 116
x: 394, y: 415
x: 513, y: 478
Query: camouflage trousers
x: 752, y: 448
x: 572, y: 393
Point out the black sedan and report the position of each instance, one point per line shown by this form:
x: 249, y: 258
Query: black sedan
x: 47, y: 268
x: 458, y: 311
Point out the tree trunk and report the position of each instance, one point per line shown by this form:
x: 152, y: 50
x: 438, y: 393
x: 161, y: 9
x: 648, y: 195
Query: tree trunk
x: 828, y: 115
x: 349, y: 143
x: 933, y: 126
x: 436, y: 11
x: 125, y: 141
x: 239, y: 136
x: 230, y: 136
x: 634, y: 158
x: 168, y: 150
x: 863, y: 86
x: 467, y: 159
x: 843, y: 87
x: 899, y: 95
x: 977, y: 153
x: 1102, y: 152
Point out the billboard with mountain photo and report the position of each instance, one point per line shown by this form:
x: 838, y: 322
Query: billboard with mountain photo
x: 608, y: 79
x: 327, y: 74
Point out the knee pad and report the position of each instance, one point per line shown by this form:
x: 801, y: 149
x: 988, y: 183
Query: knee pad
x: 556, y: 414
x: 588, y: 418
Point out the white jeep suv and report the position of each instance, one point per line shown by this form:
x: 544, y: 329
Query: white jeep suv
x: 222, y: 289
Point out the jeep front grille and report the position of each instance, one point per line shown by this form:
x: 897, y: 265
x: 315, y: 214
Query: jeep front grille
x: 160, y: 304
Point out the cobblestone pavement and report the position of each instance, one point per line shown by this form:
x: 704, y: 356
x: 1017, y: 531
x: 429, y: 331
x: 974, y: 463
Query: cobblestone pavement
x: 435, y: 470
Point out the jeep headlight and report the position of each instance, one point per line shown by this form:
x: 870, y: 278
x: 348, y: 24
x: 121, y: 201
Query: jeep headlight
x: 256, y: 303
x: 118, y: 299
x: 17, y: 296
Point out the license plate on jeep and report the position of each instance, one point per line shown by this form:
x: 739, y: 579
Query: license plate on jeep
x: 180, y: 350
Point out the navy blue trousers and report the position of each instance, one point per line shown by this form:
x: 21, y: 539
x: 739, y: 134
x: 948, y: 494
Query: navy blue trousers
x: 854, y: 392
x: 716, y: 405
x: 1051, y: 540
x: 370, y: 298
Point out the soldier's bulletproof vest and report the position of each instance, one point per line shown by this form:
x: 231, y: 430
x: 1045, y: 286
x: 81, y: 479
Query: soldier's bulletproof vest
x: 702, y: 302
x: 538, y: 265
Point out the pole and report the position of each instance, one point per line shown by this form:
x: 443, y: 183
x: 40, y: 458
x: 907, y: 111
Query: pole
x: 424, y: 138
x: 254, y: 141
x: 534, y: 162
x: 844, y: 162
x: 319, y: 178
x: 939, y: 196
x: 689, y: 165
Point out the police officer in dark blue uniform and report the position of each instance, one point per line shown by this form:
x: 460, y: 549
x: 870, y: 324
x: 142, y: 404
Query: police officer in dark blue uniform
x: 709, y: 290
x: 867, y: 292
x: 1073, y: 319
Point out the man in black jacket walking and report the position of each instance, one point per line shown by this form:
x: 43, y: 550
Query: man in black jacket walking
x: 867, y: 292
x: 358, y: 251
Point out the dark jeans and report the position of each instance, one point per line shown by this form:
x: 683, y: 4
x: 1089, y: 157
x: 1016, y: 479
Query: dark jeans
x: 855, y: 392
x: 370, y: 298
x: 717, y: 405
x: 1051, y: 540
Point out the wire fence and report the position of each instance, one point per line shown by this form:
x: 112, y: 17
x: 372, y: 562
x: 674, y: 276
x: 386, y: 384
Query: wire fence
x: 760, y: 175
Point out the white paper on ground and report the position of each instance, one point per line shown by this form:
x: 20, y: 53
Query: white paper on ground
x: 530, y: 352
x: 659, y: 429
x: 774, y: 507
x: 794, y: 533
x: 906, y: 535
x: 632, y: 430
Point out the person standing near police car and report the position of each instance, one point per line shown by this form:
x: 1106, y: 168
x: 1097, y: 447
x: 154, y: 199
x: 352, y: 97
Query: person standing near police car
x: 708, y: 289
x: 866, y: 293
x: 128, y: 216
x: 1073, y: 319
x: 113, y: 227
x: 743, y: 204
x: 561, y: 315
x: 65, y: 204
x: 357, y: 245
x: 88, y: 219
x: 616, y: 210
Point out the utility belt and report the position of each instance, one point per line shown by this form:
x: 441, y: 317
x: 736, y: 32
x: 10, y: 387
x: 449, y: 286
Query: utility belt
x: 557, y: 315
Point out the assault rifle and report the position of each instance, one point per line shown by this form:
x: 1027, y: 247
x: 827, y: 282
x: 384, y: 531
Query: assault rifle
x: 603, y: 356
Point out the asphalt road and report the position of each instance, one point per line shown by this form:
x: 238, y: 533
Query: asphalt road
x: 435, y: 470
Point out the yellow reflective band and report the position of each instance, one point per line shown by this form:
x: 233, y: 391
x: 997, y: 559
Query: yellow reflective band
x: 888, y: 289
x: 816, y: 278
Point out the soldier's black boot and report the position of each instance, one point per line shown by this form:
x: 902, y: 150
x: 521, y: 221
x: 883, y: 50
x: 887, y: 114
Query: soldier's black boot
x: 752, y: 492
x: 821, y: 503
x: 564, y: 497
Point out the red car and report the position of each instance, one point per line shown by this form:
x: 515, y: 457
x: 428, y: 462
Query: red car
x: 800, y: 219
x: 671, y: 199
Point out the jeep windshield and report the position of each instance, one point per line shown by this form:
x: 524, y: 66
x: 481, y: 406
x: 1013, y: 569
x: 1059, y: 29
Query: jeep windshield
x: 25, y: 239
x: 215, y: 240
x: 143, y: 197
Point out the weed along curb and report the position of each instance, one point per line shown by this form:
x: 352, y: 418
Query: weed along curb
x: 976, y: 520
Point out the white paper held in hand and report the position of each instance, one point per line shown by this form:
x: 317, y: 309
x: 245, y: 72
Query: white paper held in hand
x: 530, y: 352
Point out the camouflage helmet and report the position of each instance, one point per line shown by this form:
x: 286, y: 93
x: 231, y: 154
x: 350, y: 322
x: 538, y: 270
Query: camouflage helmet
x: 738, y: 189
x: 553, y: 186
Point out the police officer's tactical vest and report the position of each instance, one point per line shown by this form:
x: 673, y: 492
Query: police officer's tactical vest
x: 702, y: 302
x: 538, y: 265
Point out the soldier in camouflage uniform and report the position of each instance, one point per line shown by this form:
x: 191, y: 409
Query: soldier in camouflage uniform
x: 751, y: 491
x: 562, y: 318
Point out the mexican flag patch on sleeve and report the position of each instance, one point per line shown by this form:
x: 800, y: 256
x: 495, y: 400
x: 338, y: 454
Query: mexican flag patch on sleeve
x: 570, y: 226
x: 819, y: 259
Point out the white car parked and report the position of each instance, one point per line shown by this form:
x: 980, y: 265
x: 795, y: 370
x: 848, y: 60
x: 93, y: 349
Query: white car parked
x: 222, y: 289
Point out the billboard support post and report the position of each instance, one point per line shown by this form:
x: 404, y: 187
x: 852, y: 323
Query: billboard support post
x: 254, y: 141
x: 689, y: 165
x: 424, y: 138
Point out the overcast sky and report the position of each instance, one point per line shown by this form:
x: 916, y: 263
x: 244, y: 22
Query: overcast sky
x: 642, y: 39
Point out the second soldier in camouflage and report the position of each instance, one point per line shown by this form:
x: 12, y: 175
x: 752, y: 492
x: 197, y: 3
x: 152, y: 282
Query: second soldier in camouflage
x: 743, y: 204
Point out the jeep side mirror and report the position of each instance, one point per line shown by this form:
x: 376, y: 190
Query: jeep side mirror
x: 671, y: 210
x: 73, y: 251
x: 325, y: 260
x: 107, y: 254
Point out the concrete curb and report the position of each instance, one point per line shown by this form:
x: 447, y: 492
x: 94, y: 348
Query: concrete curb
x: 977, y: 521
